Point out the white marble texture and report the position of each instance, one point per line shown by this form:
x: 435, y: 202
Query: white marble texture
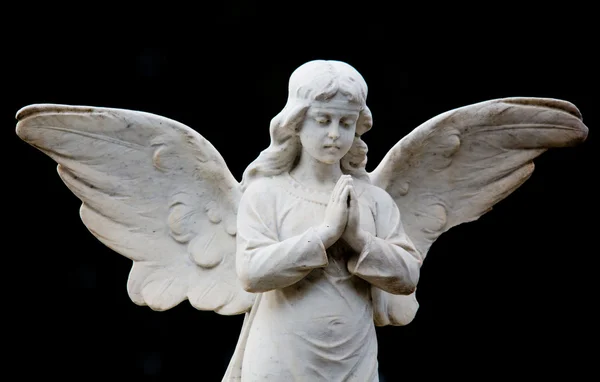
x: 312, y: 248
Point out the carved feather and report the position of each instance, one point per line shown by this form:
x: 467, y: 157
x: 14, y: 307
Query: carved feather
x: 152, y: 190
x: 454, y: 167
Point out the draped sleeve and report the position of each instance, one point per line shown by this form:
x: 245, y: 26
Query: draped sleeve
x: 389, y: 260
x: 263, y: 261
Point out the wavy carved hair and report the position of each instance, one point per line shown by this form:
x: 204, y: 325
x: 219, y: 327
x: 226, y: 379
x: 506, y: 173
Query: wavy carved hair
x: 317, y: 80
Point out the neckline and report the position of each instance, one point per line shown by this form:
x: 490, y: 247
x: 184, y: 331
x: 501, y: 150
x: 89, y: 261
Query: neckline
x: 304, y: 192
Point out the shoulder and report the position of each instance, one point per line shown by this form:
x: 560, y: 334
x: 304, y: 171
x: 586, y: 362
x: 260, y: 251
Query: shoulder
x: 265, y: 187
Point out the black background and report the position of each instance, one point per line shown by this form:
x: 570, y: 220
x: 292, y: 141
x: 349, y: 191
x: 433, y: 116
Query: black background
x: 510, y: 294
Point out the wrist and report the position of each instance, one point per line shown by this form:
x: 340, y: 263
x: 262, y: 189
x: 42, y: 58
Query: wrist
x: 358, y: 240
x: 327, y: 235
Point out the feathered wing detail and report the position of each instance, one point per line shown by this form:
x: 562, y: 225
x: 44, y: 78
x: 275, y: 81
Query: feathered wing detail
x: 154, y: 191
x: 454, y: 167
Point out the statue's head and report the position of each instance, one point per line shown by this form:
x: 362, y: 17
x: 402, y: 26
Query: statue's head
x: 315, y: 84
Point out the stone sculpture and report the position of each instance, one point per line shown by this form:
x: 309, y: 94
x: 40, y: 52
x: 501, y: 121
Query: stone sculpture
x: 312, y: 248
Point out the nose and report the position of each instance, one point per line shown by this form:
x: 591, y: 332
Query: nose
x: 334, y: 131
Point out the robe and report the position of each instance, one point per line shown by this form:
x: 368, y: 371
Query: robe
x: 316, y: 309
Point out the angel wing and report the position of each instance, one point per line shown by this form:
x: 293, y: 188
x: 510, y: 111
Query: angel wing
x: 454, y: 167
x: 154, y: 191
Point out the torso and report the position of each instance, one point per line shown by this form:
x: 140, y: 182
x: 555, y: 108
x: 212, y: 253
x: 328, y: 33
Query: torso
x: 321, y: 328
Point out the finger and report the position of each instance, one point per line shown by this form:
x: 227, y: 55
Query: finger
x: 353, y: 212
x: 339, y: 188
x: 342, y: 179
x: 353, y: 199
x: 336, y: 189
x: 345, y: 195
x: 350, y: 181
x: 347, y: 180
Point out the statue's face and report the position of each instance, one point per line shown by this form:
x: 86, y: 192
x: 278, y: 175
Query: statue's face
x: 328, y: 130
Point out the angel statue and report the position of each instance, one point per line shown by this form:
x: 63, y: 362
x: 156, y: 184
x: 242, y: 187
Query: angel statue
x: 312, y: 248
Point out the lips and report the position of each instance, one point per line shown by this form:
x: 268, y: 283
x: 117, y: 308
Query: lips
x: 331, y: 146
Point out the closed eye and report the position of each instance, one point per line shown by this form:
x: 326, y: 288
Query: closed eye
x: 348, y: 123
x: 322, y: 120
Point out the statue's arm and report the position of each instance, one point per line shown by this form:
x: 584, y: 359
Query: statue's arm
x: 389, y: 259
x: 264, y: 262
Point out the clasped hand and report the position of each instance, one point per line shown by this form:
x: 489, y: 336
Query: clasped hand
x: 342, y: 217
